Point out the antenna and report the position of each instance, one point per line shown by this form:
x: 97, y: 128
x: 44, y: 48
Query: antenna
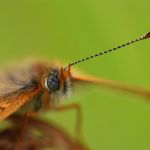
x: 145, y: 36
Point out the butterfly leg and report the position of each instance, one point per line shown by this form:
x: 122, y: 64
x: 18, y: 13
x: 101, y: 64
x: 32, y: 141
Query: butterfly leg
x: 22, y: 129
x: 77, y: 108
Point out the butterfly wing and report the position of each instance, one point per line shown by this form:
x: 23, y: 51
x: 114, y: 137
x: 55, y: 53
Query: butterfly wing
x: 115, y: 85
x: 16, y: 89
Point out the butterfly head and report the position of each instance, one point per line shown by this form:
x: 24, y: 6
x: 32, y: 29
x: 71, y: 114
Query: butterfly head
x: 59, y: 80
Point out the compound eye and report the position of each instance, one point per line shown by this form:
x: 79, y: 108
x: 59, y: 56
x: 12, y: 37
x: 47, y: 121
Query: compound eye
x: 53, y: 83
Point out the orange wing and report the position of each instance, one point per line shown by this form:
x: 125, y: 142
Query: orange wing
x: 18, y: 87
x: 115, y: 85
x: 11, y: 102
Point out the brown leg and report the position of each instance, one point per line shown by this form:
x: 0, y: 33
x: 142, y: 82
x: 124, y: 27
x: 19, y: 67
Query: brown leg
x: 22, y: 129
x: 77, y: 108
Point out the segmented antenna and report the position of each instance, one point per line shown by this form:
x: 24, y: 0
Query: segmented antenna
x: 145, y: 36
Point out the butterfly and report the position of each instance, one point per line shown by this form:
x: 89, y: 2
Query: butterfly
x: 43, y: 85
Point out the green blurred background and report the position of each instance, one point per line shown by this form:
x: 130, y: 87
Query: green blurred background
x: 71, y: 29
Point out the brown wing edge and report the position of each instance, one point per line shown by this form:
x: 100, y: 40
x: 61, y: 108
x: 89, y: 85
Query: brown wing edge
x: 114, y: 85
x: 17, y: 99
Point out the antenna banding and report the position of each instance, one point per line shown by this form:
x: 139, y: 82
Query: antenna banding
x: 145, y: 36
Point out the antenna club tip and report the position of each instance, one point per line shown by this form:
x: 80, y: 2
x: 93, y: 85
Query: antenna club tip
x: 147, y: 35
